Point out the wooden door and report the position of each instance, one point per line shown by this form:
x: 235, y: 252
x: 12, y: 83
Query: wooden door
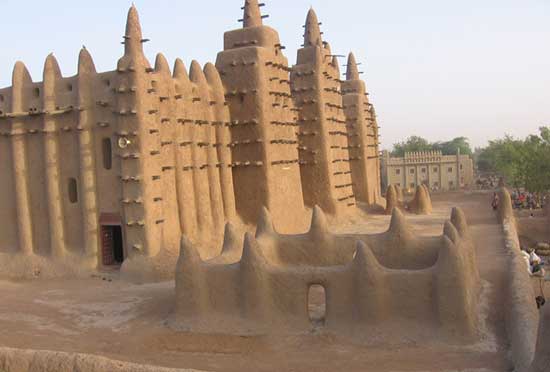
x: 107, y: 245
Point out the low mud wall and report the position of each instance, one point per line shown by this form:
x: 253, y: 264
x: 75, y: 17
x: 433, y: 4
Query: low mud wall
x: 17, y: 360
x: 541, y: 362
x: 522, y: 316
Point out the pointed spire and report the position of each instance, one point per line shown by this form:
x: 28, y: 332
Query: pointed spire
x: 85, y: 62
x: 449, y: 256
x: 133, y: 37
x: 20, y: 74
x: 252, y: 16
x: 52, y: 75
x: 195, y: 73
x: 459, y: 221
x: 336, y: 65
x: 352, y: 72
x: 265, y: 224
x: 450, y: 232
x: 365, y: 260
x: 398, y: 224
x: 312, y: 35
x: 319, y: 226
x: 20, y: 79
x: 213, y: 76
x: 161, y: 64
x: 421, y: 204
x: 399, y: 192
x: 392, y: 199
x: 51, y: 67
x: 231, y: 240
x: 188, y: 253
x: 180, y: 72
x: 252, y: 254
x: 428, y: 193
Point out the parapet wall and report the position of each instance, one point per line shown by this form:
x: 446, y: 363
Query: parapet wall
x: 522, y: 316
x: 17, y: 360
x: 262, y: 286
x: 541, y: 362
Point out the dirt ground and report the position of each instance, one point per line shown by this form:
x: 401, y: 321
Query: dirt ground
x: 106, y: 316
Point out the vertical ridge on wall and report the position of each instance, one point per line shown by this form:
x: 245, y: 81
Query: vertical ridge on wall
x: 209, y: 145
x: 21, y: 86
x: 185, y: 183
x: 200, y: 151
x: 168, y: 129
x: 87, y: 161
x: 52, y: 76
x: 221, y: 123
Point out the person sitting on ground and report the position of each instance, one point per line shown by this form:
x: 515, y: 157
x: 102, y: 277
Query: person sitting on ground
x: 526, y: 258
x: 534, y: 259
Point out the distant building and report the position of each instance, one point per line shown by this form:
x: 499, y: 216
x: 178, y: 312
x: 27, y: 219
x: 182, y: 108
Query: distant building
x: 432, y: 168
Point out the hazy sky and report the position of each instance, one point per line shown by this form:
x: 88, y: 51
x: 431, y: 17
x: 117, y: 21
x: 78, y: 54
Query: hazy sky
x: 435, y: 68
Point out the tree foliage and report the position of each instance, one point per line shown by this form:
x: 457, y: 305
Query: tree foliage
x: 416, y: 144
x: 452, y: 147
x: 523, y: 163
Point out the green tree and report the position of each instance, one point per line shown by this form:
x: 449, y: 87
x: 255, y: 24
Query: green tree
x: 523, y: 163
x: 412, y: 144
x: 416, y: 143
x: 452, y: 147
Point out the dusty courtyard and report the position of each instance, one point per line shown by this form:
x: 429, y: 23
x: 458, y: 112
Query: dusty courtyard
x: 106, y: 316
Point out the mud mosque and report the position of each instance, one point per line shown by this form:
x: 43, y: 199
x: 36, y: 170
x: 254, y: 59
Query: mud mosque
x: 109, y: 165
x: 148, y: 168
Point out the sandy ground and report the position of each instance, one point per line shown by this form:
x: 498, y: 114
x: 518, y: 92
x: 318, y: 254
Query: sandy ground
x: 106, y: 316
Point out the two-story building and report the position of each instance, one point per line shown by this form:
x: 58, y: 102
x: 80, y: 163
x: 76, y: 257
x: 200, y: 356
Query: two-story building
x: 432, y: 168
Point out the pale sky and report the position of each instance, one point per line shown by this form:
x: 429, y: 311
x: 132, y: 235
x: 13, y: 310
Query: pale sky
x: 434, y: 68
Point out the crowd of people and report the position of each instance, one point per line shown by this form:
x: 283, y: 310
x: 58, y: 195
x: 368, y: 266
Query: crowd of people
x: 486, y: 182
x: 521, y: 200
x: 525, y: 200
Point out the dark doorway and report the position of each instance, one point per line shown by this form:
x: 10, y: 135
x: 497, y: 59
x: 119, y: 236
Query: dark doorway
x: 112, y: 245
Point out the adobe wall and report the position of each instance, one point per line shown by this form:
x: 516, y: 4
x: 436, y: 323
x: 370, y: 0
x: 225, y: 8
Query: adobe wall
x: 47, y: 144
x: 261, y: 286
x: 164, y: 153
x: 324, y: 147
x: 264, y: 144
x: 66, y: 172
x: 522, y: 316
x: 528, y: 327
x: 363, y: 136
x: 541, y: 361
x: 19, y: 360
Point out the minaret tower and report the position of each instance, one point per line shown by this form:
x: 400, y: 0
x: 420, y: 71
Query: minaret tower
x: 140, y: 146
x: 363, y: 130
x: 324, y: 155
x: 264, y: 143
